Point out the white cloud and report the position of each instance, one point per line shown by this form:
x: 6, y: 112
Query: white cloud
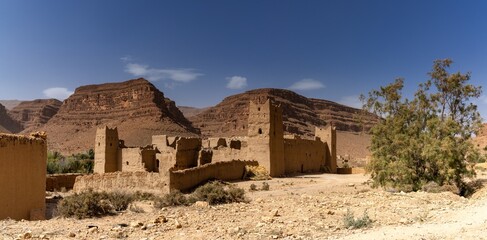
x: 57, y: 93
x: 236, y: 82
x: 127, y: 58
x: 155, y: 74
x: 307, y: 84
x: 351, y: 101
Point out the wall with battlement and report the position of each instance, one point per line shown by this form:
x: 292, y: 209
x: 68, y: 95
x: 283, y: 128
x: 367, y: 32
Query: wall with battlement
x: 22, y: 177
x: 124, y: 181
x: 189, y: 178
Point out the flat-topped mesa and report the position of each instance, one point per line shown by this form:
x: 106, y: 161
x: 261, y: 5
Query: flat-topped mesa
x: 33, y: 114
x: 7, y: 124
x: 300, y: 114
x: 136, y: 106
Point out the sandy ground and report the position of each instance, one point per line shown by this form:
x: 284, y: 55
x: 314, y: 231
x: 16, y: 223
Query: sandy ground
x: 301, y: 207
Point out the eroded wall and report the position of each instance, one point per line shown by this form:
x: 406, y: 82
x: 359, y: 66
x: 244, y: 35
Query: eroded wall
x: 328, y: 136
x: 22, y: 177
x: 56, y: 182
x: 125, y: 181
x: 187, y: 179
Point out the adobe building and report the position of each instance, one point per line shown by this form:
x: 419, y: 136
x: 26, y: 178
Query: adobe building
x: 111, y: 154
x: 265, y: 145
x: 22, y: 176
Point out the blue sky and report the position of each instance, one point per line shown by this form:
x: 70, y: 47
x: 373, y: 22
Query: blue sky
x: 198, y: 52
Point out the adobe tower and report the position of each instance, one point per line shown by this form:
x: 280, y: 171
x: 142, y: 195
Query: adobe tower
x: 265, y: 130
x: 106, y: 150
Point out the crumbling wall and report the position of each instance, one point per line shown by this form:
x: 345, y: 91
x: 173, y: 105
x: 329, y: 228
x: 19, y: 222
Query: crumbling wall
x: 56, y: 182
x: 303, y: 156
x: 131, y: 160
x: 126, y: 181
x: 233, y: 149
x: 187, y: 150
x: 187, y: 179
x: 328, y: 135
x: 22, y: 177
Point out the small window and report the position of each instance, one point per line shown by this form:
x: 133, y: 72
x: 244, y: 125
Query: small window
x: 260, y: 130
x: 127, y: 162
x: 110, y: 144
x: 98, y: 144
x: 258, y: 109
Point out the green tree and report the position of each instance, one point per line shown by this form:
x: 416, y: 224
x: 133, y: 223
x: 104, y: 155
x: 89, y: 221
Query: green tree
x: 427, y: 138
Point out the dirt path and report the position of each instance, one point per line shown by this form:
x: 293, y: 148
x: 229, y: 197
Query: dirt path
x: 467, y: 223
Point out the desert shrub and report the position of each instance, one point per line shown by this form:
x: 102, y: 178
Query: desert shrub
x: 265, y: 186
x: 93, y: 204
x: 174, y: 198
x: 433, y: 187
x: 212, y: 192
x: 428, y: 138
x: 143, y: 196
x: 253, y: 187
x: 119, y: 200
x: 355, y: 223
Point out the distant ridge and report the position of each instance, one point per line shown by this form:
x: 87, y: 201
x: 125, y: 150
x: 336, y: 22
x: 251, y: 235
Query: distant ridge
x: 136, y: 107
x: 300, y: 114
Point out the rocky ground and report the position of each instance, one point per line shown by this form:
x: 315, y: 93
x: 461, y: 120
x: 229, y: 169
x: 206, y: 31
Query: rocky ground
x: 302, y: 207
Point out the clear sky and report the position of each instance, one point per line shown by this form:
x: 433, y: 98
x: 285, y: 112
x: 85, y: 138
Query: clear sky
x: 198, y: 52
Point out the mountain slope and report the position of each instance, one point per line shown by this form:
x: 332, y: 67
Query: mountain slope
x: 136, y: 107
x: 34, y: 114
x: 7, y: 124
x: 300, y: 114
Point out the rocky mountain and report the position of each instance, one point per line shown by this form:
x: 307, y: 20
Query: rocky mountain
x: 136, y: 107
x: 34, y: 114
x: 191, y: 111
x: 300, y: 114
x: 7, y: 124
x: 9, y: 104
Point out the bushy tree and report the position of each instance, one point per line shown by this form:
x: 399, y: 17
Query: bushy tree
x: 428, y: 138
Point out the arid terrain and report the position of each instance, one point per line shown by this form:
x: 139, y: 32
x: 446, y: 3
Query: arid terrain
x: 300, y: 207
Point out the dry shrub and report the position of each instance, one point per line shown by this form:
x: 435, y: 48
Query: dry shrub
x: 256, y: 173
x: 174, y: 198
x: 355, y: 223
x: 212, y: 192
x: 93, y: 204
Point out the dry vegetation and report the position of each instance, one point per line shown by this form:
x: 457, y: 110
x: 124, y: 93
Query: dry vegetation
x: 302, y: 207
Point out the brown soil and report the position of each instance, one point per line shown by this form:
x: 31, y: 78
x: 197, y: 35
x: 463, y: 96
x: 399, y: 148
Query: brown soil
x: 300, y: 207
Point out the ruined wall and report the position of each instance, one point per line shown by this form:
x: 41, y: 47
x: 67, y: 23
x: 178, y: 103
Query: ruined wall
x: 233, y: 149
x: 302, y: 156
x: 187, y: 179
x: 130, y: 160
x: 22, y: 177
x: 167, y: 152
x: 125, y: 181
x: 106, y: 150
x: 56, y: 182
x: 266, y: 137
x: 187, y: 150
x: 328, y: 135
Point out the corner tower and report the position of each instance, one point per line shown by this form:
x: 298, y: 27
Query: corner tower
x: 266, y: 136
x: 328, y: 135
x: 106, y: 150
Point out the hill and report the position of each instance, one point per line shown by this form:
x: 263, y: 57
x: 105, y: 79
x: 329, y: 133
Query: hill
x: 34, y: 114
x: 136, y: 107
x: 7, y: 124
x: 300, y: 114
